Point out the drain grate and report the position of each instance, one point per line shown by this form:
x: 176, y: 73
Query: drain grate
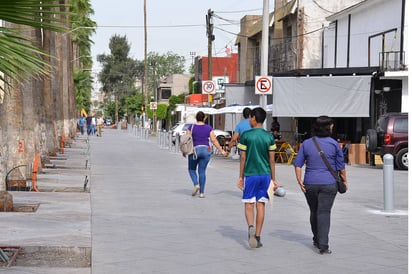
x: 25, y: 207
x: 8, y: 255
x: 49, y: 256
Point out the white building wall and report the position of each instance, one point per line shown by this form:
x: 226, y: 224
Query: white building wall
x: 315, y: 13
x: 374, y: 17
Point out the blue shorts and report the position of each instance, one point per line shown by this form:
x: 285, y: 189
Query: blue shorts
x: 255, y: 189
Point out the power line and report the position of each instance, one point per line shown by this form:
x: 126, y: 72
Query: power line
x: 160, y: 26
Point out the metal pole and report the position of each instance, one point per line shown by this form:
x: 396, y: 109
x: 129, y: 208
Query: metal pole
x: 388, y: 182
x: 264, y: 51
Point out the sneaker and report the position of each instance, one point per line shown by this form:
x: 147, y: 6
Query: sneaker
x: 195, y: 190
x: 259, y: 244
x: 325, y: 251
x: 201, y: 195
x: 252, y: 237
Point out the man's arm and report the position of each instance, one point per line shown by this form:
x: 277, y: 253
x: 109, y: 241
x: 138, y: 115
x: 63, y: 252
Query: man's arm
x: 240, y: 181
x: 234, y: 140
x: 273, y: 169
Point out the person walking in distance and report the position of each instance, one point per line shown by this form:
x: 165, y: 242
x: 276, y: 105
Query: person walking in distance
x: 257, y: 169
x: 241, y: 127
x: 89, y: 124
x: 99, y: 123
x: 81, y: 123
x: 198, y: 161
x: 318, y: 184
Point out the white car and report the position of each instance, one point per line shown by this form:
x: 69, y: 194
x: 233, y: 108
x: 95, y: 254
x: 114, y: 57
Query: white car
x: 180, y: 128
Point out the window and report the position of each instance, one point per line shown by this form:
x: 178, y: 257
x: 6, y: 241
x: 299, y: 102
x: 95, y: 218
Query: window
x: 165, y: 93
x: 401, y: 125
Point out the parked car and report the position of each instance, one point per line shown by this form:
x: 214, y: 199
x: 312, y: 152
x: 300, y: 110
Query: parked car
x: 180, y: 128
x: 390, y: 135
x: 109, y: 121
x: 176, y: 131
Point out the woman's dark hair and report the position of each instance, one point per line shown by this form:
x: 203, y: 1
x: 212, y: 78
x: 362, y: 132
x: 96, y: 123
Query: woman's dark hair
x: 246, y: 112
x: 200, y: 116
x: 321, y: 127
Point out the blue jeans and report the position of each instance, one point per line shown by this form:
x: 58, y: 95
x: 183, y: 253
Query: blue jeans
x: 198, y: 165
x: 320, y: 199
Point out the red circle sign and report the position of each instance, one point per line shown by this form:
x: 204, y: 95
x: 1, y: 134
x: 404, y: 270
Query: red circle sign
x: 208, y: 87
x: 264, y: 84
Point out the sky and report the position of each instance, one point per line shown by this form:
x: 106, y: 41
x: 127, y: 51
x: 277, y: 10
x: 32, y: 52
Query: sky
x: 172, y: 26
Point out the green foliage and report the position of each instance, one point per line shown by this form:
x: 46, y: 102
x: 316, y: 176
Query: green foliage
x: 193, y: 86
x: 173, y: 101
x: 82, y: 28
x: 83, y: 84
x: 161, y: 112
x: 162, y: 65
x: 20, y: 59
x: 119, y: 72
x: 109, y: 109
x: 134, y: 104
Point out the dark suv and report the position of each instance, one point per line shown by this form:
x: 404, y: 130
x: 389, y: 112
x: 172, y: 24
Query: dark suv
x: 390, y: 136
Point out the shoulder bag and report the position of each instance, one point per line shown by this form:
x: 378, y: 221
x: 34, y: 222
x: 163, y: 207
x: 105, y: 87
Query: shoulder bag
x: 336, y: 175
x: 186, y: 143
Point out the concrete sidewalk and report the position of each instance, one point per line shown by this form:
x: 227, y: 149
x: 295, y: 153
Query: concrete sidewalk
x: 140, y: 217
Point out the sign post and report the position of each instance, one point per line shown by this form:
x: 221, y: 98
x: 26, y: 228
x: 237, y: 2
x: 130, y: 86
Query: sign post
x: 208, y: 87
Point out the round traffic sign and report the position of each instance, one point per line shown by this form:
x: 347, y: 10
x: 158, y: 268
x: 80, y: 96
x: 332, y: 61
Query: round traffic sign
x: 208, y: 87
x: 263, y: 85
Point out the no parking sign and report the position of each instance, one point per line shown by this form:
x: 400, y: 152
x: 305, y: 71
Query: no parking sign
x: 208, y: 87
x: 263, y: 85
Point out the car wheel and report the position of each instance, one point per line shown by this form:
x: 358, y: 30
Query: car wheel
x: 402, y: 159
x: 371, y: 140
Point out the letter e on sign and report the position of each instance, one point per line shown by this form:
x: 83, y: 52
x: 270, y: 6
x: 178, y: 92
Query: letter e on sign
x: 263, y: 85
x: 153, y: 105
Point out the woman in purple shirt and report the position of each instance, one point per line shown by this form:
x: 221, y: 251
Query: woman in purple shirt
x: 198, y: 161
x: 318, y: 184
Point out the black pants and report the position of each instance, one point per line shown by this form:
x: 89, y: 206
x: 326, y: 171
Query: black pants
x: 320, y: 199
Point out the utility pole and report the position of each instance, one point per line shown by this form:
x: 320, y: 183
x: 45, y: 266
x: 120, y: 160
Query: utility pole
x: 264, y: 51
x: 210, y: 39
x: 145, y: 74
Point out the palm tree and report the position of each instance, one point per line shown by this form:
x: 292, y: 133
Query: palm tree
x: 18, y: 57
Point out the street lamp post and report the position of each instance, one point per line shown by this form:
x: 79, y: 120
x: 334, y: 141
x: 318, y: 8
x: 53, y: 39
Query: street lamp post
x: 192, y: 54
x: 153, y: 64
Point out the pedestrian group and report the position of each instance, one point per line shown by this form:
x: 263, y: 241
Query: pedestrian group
x: 257, y: 174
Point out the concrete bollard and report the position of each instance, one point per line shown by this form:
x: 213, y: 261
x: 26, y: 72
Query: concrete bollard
x: 388, y: 182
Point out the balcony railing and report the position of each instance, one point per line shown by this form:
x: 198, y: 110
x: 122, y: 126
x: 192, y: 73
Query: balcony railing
x: 392, y: 60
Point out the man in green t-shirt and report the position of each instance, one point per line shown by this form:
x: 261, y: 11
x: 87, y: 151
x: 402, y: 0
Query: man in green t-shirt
x: 257, y: 170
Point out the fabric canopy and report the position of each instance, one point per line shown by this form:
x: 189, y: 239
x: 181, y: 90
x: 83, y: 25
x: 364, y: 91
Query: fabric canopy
x: 335, y: 96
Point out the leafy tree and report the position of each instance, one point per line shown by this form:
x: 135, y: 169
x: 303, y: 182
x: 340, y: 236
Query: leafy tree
x: 173, y: 101
x: 163, y: 65
x: 82, y: 29
x: 83, y: 84
x: 120, y: 72
x: 161, y: 112
x: 134, y: 104
x: 193, y: 86
x: 109, y: 109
